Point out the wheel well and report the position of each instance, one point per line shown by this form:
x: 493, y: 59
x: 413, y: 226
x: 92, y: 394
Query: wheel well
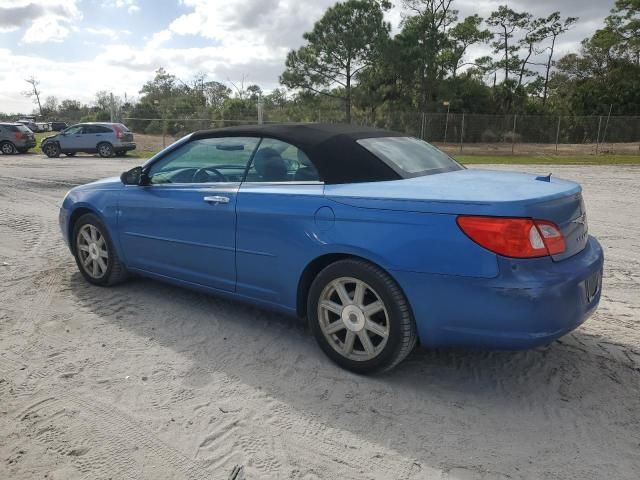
x: 77, y: 213
x: 312, y: 270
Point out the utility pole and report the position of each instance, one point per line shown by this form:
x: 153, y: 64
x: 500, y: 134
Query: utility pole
x: 260, y: 113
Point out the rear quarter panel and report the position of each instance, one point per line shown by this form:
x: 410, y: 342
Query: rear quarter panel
x: 409, y: 241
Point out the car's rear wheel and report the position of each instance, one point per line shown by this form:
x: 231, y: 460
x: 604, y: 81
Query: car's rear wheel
x: 95, y: 255
x: 7, y: 148
x: 51, y: 150
x: 105, y: 150
x: 360, y: 317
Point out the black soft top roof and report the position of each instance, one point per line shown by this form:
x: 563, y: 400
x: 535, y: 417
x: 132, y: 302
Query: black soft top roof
x: 331, y: 147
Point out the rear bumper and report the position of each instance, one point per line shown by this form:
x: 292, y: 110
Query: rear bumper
x: 530, y: 303
x: 25, y: 144
x: 125, y: 146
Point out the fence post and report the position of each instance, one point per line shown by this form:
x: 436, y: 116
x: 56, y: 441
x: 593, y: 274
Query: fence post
x: 513, y: 135
x: 422, y: 126
x: 164, y: 133
x: 598, y: 138
x: 260, y: 112
x: 462, y: 132
x: 446, y: 126
x: 558, y: 133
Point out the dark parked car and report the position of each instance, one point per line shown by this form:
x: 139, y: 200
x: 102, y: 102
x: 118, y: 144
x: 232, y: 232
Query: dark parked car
x: 27, y: 122
x: 58, y: 126
x: 105, y: 139
x: 15, y: 138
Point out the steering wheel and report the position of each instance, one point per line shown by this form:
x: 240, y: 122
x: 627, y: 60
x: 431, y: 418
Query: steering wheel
x: 203, y: 175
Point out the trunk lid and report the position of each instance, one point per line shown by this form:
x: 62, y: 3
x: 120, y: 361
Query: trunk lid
x: 478, y: 192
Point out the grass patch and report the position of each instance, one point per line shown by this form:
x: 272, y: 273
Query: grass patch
x: 144, y: 154
x: 549, y: 159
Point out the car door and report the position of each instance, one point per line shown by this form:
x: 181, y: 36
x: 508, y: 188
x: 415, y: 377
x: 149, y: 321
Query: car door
x: 281, y: 216
x: 97, y: 134
x: 182, y: 225
x: 71, y: 138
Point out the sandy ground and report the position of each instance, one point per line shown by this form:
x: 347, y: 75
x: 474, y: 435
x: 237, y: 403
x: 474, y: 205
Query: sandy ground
x: 151, y: 381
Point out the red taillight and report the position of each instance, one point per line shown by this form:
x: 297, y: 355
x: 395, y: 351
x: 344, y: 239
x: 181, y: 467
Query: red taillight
x: 514, y: 237
x: 19, y: 135
x: 118, y: 132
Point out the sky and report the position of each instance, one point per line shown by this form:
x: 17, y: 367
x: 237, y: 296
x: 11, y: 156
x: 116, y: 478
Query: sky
x: 78, y: 47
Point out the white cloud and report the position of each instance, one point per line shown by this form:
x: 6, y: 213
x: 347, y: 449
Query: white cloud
x: 130, y: 5
x: 107, y: 32
x: 62, y: 79
x: 47, y: 20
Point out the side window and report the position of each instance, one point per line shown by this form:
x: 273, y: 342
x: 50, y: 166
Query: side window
x: 74, y: 130
x: 277, y: 161
x: 207, y: 160
x: 96, y: 129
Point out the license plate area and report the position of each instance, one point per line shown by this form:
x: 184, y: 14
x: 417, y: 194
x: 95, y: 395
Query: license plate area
x: 592, y: 286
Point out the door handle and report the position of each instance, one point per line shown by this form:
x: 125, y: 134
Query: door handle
x: 216, y: 199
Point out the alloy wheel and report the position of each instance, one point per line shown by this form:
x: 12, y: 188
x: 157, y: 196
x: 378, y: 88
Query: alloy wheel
x: 105, y: 150
x: 93, y: 251
x: 353, y: 319
x: 6, y: 148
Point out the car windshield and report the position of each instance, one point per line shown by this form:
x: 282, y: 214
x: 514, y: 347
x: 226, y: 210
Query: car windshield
x: 409, y: 156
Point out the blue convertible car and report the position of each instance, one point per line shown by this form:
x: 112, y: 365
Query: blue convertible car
x: 380, y: 240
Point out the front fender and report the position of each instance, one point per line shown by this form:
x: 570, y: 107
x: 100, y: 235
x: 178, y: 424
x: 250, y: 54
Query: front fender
x: 102, y: 203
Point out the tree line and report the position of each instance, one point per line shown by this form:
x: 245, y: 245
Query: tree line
x: 351, y: 68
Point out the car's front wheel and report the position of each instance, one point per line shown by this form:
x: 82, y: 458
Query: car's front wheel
x: 360, y: 317
x: 105, y: 150
x: 95, y: 255
x: 51, y: 150
x: 7, y: 148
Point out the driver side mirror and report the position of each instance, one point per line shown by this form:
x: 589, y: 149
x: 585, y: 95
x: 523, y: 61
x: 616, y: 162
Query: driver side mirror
x: 135, y: 176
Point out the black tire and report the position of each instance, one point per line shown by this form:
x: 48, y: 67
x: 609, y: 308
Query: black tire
x: 7, y: 148
x: 70, y: 154
x: 51, y: 149
x: 402, y: 329
x: 105, y: 150
x: 115, y: 272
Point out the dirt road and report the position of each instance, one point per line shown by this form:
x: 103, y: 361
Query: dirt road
x: 150, y: 381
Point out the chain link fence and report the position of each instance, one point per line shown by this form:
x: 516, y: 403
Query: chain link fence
x: 457, y: 133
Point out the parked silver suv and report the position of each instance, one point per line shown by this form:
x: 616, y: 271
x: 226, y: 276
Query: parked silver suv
x: 15, y: 138
x: 105, y: 139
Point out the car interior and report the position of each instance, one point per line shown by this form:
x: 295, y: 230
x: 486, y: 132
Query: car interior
x: 275, y: 161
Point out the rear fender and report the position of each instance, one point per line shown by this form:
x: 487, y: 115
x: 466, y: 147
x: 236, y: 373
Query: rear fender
x: 409, y: 241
